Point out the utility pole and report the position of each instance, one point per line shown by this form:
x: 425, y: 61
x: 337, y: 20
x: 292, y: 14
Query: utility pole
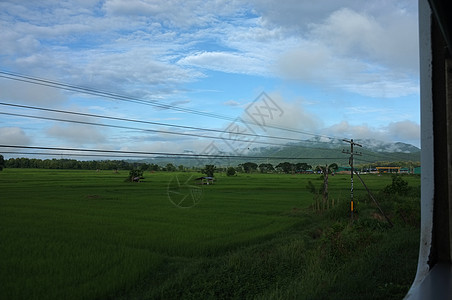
x: 351, y: 152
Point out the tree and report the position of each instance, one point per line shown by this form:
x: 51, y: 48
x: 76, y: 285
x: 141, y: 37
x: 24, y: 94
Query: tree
x: 170, y: 167
x: 249, y: 167
x: 2, y: 162
x: 265, y: 168
x: 286, y: 167
x: 154, y: 167
x: 209, y: 170
x: 301, y: 167
x: 135, y: 175
x: 398, y: 186
x: 325, y: 171
x: 230, y: 171
x: 333, y: 167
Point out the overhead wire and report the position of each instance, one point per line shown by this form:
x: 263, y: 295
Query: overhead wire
x: 145, y: 153
x: 106, y: 94
x: 146, y: 122
x: 161, y: 131
x: 135, y: 128
x: 74, y: 88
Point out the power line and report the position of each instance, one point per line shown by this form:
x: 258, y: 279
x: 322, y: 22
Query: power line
x: 169, y: 132
x: 145, y: 122
x: 135, y: 128
x: 70, y: 154
x: 165, y: 132
x: 162, y: 154
x: 105, y: 94
x: 99, y: 93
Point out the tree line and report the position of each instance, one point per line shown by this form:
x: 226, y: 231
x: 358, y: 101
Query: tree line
x: 247, y: 167
x: 64, y: 163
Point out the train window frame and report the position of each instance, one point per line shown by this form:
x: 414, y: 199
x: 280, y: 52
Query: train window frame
x: 434, y: 272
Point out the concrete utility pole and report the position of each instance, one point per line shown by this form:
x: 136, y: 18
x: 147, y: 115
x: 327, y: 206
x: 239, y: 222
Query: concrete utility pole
x: 351, y: 152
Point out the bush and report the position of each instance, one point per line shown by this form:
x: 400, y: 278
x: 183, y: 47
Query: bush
x: 135, y: 175
x: 398, y: 186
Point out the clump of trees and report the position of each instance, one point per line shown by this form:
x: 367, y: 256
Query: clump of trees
x: 248, y: 167
x: 266, y: 168
x: 288, y: 167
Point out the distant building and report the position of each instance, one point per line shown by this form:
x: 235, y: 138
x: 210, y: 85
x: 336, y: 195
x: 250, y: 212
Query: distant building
x: 388, y: 169
x: 344, y: 170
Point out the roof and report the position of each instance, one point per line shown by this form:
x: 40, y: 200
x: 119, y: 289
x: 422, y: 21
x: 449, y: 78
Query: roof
x: 205, y: 177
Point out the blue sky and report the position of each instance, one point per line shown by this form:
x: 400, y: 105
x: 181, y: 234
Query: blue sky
x: 335, y: 68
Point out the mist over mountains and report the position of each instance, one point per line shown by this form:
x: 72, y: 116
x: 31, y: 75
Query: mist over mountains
x: 314, y: 151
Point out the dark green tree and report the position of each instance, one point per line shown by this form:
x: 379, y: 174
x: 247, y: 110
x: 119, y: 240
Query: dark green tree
x: 301, y: 167
x: 266, y: 168
x: 135, y: 175
x: 286, y: 167
x: 2, y: 162
x: 154, y: 167
x: 249, y: 167
x: 209, y: 170
x: 398, y: 186
x: 230, y: 171
x: 170, y: 167
x: 333, y: 167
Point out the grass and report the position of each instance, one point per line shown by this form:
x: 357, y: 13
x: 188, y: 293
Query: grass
x: 78, y: 234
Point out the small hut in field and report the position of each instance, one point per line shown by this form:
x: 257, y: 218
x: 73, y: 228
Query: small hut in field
x: 205, y: 180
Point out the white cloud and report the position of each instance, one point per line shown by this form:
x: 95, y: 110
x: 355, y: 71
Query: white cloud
x: 175, y: 12
x: 298, y: 15
x: 157, y: 49
x: 76, y: 134
x: 136, y: 69
x: 275, y: 111
x: 27, y: 93
x: 14, y: 136
x: 404, y: 130
x: 370, y: 55
x: 390, y: 41
x: 226, y: 62
x: 232, y: 103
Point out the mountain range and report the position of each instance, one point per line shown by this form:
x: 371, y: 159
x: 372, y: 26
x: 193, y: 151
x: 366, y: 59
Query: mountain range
x: 314, y: 151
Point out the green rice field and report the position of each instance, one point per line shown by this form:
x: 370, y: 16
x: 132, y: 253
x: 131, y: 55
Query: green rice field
x: 78, y: 234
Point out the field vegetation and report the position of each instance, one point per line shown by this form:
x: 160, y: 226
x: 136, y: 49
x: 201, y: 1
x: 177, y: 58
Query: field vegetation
x: 87, y: 234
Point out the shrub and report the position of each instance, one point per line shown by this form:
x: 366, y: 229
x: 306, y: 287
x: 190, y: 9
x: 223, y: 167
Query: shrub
x: 398, y: 186
x: 135, y: 175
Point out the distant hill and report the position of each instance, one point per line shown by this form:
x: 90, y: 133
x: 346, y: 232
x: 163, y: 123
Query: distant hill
x: 314, y: 151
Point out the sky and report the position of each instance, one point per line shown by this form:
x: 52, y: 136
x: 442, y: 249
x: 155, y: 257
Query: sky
x: 289, y: 69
